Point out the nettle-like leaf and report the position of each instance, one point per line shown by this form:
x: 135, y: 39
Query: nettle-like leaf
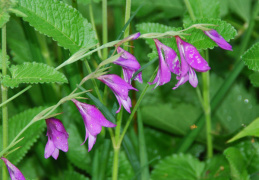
x: 16, y: 124
x: 251, y: 57
x: 77, y: 154
x: 7, y: 59
x: 158, y: 28
x: 33, y: 73
x: 59, y: 21
x: 254, y: 79
x: 202, y: 41
x: 203, y: 9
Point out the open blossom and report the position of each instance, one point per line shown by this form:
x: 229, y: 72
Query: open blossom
x: 169, y: 63
x: 57, y: 138
x: 93, y: 120
x: 190, y: 60
x: 14, y: 172
x: 129, y: 65
x: 120, y: 89
x: 217, y: 38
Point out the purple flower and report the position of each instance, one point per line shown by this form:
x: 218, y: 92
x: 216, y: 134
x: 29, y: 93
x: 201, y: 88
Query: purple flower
x: 166, y: 65
x: 57, y: 138
x: 14, y: 172
x: 120, y: 89
x: 94, y: 120
x: 129, y: 65
x: 217, y: 38
x: 190, y: 59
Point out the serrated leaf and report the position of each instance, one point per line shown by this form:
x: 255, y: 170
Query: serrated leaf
x: 33, y: 73
x: 159, y: 28
x: 18, y: 43
x: 59, y: 21
x: 16, y: 124
x: 68, y: 175
x: 241, y: 8
x: 203, y: 9
x: 254, y: 78
x: 237, y: 164
x: 201, y: 41
x: 178, y: 166
x: 251, y: 130
x: 251, y: 57
x: 77, y: 154
x: 7, y: 59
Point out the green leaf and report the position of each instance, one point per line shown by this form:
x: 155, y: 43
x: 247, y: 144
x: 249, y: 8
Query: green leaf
x: 68, y: 175
x: 77, y: 155
x: 178, y: 166
x: 241, y: 8
x: 7, y: 59
x: 254, y: 78
x: 59, y: 21
x: 202, y: 41
x: 251, y: 130
x: 16, y: 124
x: 237, y: 164
x: 251, y: 57
x: 33, y: 73
x: 4, y: 18
x: 203, y: 9
x: 159, y: 28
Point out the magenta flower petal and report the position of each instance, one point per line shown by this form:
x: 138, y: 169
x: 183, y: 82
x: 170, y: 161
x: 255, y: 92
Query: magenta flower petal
x: 14, y: 172
x: 181, y: 80
x: 93, y: 120
x: 120, y: 88
x: 193, y: 78
x: 129, y: 64
x: 217, y: 38
x: 57, y: 138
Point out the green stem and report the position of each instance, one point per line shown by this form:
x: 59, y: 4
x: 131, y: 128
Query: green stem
x: 191, y: 136
x: 4, y: 98
x: 207, y: 111
x: 115, y: 168
x: 127, y: 16
x: 189, y: 8
x: 105, y: 27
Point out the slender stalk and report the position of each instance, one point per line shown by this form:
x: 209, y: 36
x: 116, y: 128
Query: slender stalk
x: 189, y: 8
x: 4, y: 98
x: 206, y: 107
x: 127, y: 16
x: 115, y: 167
x: 105, y: 27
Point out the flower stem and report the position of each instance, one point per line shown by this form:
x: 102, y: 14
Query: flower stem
x: 189, y: 8
x: 127, y: 16
x: 207, y: 109
x: 105, y: 27
x: 115, y: 168
x: 4, y: 98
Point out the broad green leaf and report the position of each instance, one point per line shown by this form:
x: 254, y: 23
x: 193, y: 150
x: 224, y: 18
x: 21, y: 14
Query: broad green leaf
x: 7, y: 59
x: 59, y: 21
x: 202, y: 41
x: 33, y: 73
x: 251, y: 130
x: 241, y: 8
x: 77, y: 154
x: 68, y: 175
x: 237, y: 164
x: 251, y: 57
x: 254, y: 78
x: 16, y: 124
x: 159, y: 28
x: 18, y: 43
x: 178, y: 166
x: 202, y: 9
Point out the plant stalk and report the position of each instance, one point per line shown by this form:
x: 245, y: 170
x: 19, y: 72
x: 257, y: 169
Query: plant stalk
x: 127, y: 16
x: 105, y: 27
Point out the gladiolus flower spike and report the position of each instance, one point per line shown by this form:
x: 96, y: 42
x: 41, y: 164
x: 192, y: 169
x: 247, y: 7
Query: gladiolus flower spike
x: 129, y: 65
x: 190, y: 59
x: 166, y: 65
x: 14, y: 172
x: 120, y: 89
x: 57, y: 138
x: 93, y: 120
x: 218, y: 39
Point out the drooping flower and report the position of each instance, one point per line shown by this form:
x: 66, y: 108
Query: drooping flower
x: 120, y: 89
x: 93, y: 120
x: 217, y: 38
x: 129, y: 38
x: 57, y: 138
x: 14, y: 172
x: 129, y: 65
x: 169, y: 63
x: 190, y: 60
